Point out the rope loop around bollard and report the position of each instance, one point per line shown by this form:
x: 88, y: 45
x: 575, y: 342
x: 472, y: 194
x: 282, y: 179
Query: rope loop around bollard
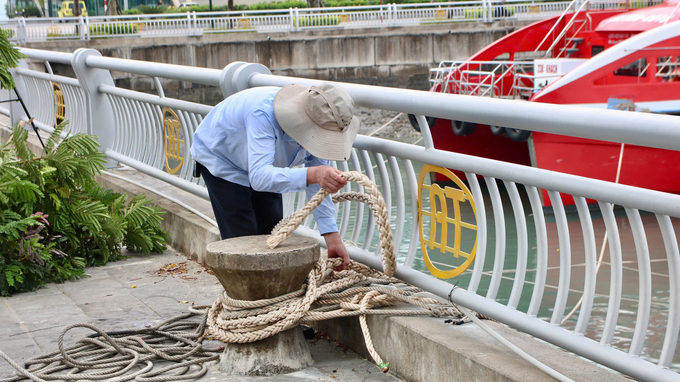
x: 372, y: 197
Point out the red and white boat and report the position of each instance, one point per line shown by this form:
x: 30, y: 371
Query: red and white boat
x: 617, y: 59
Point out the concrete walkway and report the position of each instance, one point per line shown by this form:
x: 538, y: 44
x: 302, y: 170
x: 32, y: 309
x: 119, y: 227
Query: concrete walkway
x: 134, y: 293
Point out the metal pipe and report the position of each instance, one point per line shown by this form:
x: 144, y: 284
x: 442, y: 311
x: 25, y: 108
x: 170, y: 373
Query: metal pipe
x: 565, y: 257
x: 643, y: 199
x: 159, y: 174
x: 616, y: 271
x: 645, y: 281
x: 499, y: 220
x: 608, y: 125
x: 591, y: 260
x: 522, y: 244
x: 673, y: 324
x: 153, y: 69
x: 541, y: 251
x: 480, y: 215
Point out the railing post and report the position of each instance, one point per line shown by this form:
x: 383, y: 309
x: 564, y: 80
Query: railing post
x: 100, y: 117
x: 297, y: 20
x: 87, y: 28
x: 15, y: 109
x: 21, y: 30
x: 292, y: 19
x: 81, y: 28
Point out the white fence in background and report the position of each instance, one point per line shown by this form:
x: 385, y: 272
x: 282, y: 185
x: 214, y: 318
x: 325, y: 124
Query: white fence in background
x: 291, y: 20
x: 133, y: 126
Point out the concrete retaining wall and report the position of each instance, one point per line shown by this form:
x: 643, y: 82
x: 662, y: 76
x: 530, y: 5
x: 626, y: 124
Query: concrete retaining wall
x: 398, y: 57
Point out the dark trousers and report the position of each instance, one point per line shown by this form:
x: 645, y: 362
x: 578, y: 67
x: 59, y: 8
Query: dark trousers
x: 239, y: 210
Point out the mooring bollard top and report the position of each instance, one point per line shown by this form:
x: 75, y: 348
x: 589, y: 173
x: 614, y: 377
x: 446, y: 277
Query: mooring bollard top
x: 252, y: 253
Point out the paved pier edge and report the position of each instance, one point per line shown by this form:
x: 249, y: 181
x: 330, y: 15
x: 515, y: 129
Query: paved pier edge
x: 421, y: 349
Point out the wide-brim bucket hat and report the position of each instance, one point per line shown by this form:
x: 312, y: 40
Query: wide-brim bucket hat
x: 321, y: 119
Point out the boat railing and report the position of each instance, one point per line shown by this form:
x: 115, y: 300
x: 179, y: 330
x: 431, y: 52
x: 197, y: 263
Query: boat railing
x: 496, y: 79
x: 668, y: 68
x: 566, y: 29
x: 528, y: 286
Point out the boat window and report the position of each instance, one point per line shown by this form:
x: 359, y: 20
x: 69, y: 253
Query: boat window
x: 530, y: 55
x: 637, y: 68
x: 597, y: 49
x: 668, y: 68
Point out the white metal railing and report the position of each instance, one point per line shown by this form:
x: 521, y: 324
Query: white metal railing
x: 611, y: 327
x: 283, y: 20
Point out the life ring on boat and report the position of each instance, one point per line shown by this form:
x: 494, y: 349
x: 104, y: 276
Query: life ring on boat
x: 497, y: 130
x: 518, y: 135
x: 463, y: 128
x: 414, y: 122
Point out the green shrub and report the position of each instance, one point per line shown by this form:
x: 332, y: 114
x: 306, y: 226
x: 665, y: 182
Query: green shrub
x: 277, y: 5
x: 473, y: 13
x: 318, y: 21
x: 503, y: 12
x: 54, y: 217
x: 133, y: 11
x: 107, y: 29
x: 151, y: 9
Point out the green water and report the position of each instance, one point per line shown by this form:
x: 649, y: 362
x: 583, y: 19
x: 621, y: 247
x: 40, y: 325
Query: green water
x: 628, y: 310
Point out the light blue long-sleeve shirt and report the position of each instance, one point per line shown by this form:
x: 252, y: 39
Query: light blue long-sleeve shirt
x: 241, y: 141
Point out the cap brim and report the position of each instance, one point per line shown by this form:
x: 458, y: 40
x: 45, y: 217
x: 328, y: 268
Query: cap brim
x: 324, y: 144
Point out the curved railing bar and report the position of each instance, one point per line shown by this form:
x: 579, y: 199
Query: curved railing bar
x: 673, y: 255
x: 499, y: 220
x: 415, y: 233
x: 522, y: 244
x: 359, y: 216
x: 616, y: 271
x: 346, y: 206
x: 645, y: 281
x: 565, y: 257
x: 541, y: 251
x: 370, y: 229
x: 480, y: 215
x: 400, y: 202
x: 591, y: 260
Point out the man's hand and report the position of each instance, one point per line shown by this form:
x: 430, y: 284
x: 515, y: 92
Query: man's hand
x: 327, y: 177
x: 336, y: 249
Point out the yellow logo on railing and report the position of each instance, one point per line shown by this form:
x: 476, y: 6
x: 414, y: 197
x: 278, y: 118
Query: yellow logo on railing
x: 174, y: 144
x: 244, y: 24
x: 59, y: 106
x: 534, y: 9
x: 445, y: 213
x: 440, y: 14
x: 343, y: 19
x: 139, y: 28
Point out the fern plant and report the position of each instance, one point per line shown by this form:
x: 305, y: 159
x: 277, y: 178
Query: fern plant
x: 55, y: 219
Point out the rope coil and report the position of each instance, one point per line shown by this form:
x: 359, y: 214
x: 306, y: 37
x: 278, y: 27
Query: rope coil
x: 328, y: 294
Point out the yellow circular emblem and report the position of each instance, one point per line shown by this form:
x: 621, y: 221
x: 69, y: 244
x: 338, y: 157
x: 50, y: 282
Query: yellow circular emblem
x: 445, y: 214
x: 174, y: 144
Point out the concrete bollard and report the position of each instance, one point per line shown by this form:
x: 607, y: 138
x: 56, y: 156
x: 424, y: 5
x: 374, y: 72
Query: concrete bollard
x: 248, y: 270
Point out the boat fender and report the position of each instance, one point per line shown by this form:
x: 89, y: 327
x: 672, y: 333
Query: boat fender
x: 463, y: 128
x: 518, y: 135
x: 497, y: 130
x: 414, y: 122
